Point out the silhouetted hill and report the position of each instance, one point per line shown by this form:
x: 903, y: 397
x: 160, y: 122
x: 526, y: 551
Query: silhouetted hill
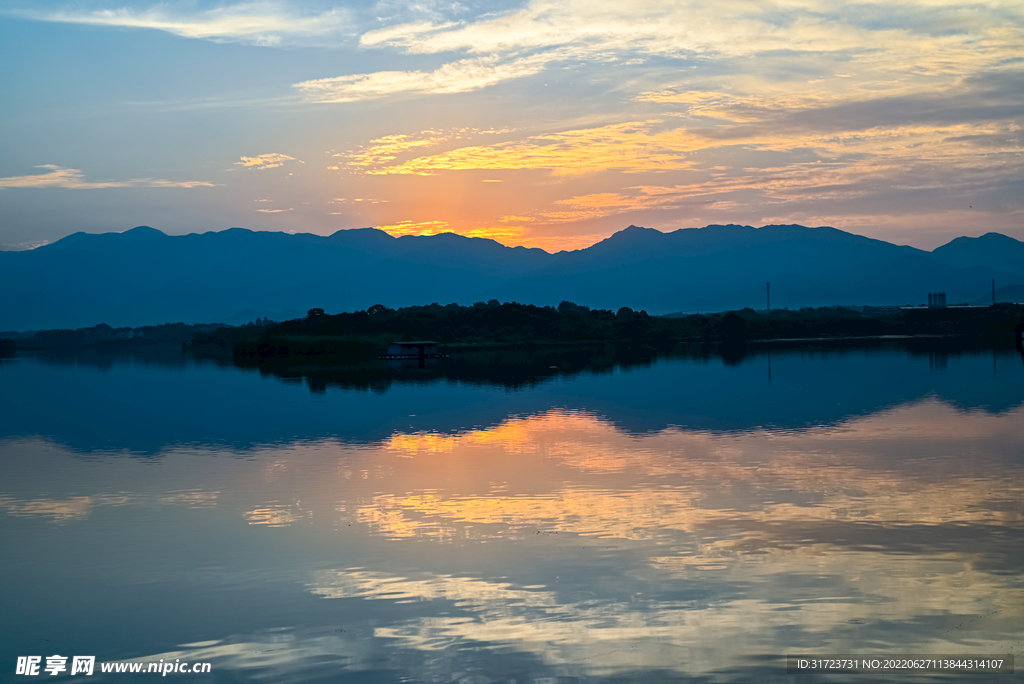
x: 1008, y: 293
x: 144, y: 277
x: 992, y: 250
x: 726, y: 267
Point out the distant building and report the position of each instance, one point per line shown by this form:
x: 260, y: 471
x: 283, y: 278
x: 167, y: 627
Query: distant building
x: 418, y: 349
x: 936, y: 300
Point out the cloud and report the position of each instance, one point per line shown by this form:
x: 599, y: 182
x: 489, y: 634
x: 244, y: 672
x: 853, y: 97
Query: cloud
x: 254, y: 23
x: 456, y: 77
x: 371, y: 200
x: 798, y: 44
x: 729, y: 28
x: 266, y: 161
x: 386, y: 149
x: 631, y: 147
x: 58, y: 177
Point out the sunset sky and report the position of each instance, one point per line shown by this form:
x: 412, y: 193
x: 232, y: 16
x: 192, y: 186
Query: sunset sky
x: 538, y: 123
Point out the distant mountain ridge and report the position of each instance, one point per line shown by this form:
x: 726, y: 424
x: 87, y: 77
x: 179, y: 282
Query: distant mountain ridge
x: 145, y: 277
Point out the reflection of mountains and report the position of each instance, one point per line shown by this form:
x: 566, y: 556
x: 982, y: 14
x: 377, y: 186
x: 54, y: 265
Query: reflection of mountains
x: 144, y: 404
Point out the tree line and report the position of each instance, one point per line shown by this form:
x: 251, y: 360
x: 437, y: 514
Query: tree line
x: 494, y: 323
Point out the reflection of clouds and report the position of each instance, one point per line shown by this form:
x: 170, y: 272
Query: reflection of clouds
x: 626, y: 515
x: 532, y: 619
x: 869, y: 470
x: 274, y: 515
x: 824, y: 594
x: 74, y: 508
x: 875, y: 521
x: 57, y: 510
x: 463, y: 591
x: 688, y: 551
x: 193, y: 498
x: 80, y: 507
x: 284, y: 652
x: 650, y: 513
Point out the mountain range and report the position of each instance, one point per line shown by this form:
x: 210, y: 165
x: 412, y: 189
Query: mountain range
x: 145, y: 277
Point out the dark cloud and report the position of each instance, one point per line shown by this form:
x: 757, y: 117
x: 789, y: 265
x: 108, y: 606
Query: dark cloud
x: 994, y: 97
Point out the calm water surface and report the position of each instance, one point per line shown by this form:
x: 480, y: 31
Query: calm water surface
x: 681, y: 519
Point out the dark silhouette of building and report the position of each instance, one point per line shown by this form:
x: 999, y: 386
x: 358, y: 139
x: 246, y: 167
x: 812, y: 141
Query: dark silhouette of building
x: 418, y: 349
x: 936, y: 300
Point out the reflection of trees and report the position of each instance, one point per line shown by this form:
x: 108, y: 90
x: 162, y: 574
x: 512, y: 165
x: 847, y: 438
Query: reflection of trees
x: 528, y: 366
x: 512, y: 368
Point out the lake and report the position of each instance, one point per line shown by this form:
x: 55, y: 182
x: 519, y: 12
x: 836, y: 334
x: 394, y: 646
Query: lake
x: 591, y: 515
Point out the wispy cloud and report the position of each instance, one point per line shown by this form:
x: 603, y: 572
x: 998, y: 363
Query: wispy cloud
x: 456, y: 77
x: 384, y: 150
x: 256, y: 23
x: 369, y: 200
x: 874, y: 48
x: 631, y: 147
x: 388, y: 148
x: 695, y: 27
x: 266, y: 161
x: 58, y: 177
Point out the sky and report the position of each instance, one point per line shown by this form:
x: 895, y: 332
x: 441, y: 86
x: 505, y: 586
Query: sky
x: 543, y: 123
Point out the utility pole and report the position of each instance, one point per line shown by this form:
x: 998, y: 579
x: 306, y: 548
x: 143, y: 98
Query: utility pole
x: 993, y: 291
x: 768, y: 294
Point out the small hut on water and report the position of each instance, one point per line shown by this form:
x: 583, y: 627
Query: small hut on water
x: 420, y: 349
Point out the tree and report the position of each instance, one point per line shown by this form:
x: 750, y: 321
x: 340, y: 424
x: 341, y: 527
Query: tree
x: 313, y: 313
x: 732, y: 325
x: 376, y: 309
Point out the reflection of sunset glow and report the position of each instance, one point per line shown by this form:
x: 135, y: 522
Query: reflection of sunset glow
x: 513, y: 435
x: 617, y: 550
x: 834, y: 467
